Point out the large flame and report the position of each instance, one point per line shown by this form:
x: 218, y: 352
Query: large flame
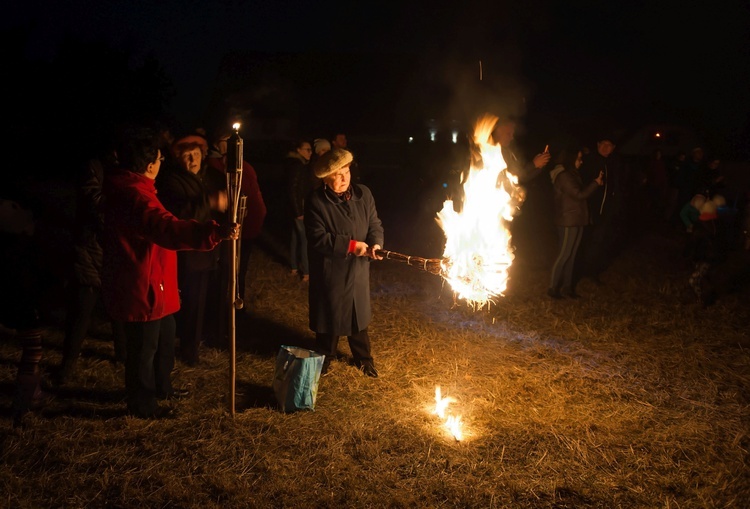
x: 478, y: 252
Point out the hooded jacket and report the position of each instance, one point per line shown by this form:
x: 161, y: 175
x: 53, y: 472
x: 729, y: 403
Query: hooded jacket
x: 140, y: 239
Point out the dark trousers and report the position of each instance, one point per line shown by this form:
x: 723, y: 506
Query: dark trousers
x: 298, y: 247
x: 82, y: 300
x: 359, y: 343
x: 562, y: 269
x: 598, y: 248
x: 192, y: 314
x: 246, y: 248
x: 149, y: 363
x: 28, y: 379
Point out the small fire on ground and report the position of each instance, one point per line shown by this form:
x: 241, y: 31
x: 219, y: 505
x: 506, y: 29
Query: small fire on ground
x: 452, y: 422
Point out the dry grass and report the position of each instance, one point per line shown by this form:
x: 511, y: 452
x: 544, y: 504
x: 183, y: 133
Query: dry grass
x: 632, y: 396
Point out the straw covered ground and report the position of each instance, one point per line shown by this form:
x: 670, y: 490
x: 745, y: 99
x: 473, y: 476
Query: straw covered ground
x: 632, y: 396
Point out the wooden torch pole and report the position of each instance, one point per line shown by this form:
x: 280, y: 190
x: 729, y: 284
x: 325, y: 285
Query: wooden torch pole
x: 234, y: 181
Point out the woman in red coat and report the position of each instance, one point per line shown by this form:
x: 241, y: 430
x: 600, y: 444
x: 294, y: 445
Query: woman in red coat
x: 139, y: 270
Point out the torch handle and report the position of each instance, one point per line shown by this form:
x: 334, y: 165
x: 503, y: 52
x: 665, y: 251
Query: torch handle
x: 431, y: 265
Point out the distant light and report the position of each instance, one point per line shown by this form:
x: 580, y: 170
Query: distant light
x: 657, y: 135
x: 445, y: 185
x: 454, y: 136
x: 411, y: 139
x: 433, y: 134
x: 236, y: 126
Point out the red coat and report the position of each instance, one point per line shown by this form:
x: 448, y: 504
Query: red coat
x: 139, y: 271
x: 256, y: 207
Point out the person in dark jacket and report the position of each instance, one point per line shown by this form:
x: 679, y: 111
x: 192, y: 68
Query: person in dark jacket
x: 571, y: 217
x: 344, y: 234
x: 529, y: 224
x: 607, y: 205
x: 190, y: 189
x: 299, y: 184
x: 85, y: 283
x: 139, y: 269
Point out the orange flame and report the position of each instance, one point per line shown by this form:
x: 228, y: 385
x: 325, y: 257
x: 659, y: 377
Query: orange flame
x: 441, y: 404
x: 453, y: 423
x: 478, y: 252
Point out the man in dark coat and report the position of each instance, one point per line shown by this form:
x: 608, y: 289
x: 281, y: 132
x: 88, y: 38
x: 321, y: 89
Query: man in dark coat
x: 344, y: 234
x: 608, y: 206
x: 529, y: 225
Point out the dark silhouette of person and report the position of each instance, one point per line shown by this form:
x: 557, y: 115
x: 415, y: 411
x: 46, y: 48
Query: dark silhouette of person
x: 607, y: 206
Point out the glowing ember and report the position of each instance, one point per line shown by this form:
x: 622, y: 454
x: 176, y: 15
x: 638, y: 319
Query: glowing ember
x: 478, y: 252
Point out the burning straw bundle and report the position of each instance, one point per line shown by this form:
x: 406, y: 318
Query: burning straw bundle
x: 431, y: 265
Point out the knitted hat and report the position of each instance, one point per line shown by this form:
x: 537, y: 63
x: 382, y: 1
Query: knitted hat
x: 321, y: 144
x: 332, y: 161
x: 179, y: 145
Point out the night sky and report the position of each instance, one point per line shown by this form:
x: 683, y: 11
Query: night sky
x: 551, y: 62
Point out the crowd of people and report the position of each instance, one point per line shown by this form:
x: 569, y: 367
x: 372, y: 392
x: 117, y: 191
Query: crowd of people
x: 151, y: 225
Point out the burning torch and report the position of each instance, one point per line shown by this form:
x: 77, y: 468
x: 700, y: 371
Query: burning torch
x: 234, y: 181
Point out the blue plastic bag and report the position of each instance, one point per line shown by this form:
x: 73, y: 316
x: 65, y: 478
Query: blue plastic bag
x: 295, y: 380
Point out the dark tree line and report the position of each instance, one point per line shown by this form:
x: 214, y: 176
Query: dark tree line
x: 61, y: 109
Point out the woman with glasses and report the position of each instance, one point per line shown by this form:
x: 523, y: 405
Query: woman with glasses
x: 139, y: 269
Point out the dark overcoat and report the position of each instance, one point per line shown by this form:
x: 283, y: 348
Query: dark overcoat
x: 89, y: 223
x: 340, y: 282
x: 186, y: 195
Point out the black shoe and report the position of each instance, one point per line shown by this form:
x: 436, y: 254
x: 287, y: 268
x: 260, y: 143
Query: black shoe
x: 176, y: 394
x: 326, y: 366
x: 368, y: 368
x: 555, y: 294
